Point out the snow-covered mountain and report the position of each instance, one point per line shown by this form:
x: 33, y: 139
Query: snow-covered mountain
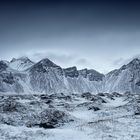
x: 127, y: 78
x: 21, y: 63
x: 45, y: 76
x: 24, y: 76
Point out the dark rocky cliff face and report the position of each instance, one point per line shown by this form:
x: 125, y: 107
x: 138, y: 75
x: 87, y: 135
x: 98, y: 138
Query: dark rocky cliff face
x: 3, y: 66
x: 71, y: 72
x: 92, y: 75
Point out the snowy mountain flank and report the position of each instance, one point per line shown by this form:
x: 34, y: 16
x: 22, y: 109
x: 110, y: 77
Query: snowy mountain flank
x: 21, y: 63
x: 24, y: 76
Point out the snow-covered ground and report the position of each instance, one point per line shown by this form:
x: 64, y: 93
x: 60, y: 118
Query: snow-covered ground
x: 116, y: 118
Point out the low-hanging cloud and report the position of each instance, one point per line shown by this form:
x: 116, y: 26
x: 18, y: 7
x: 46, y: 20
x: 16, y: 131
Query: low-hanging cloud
x: 62, y: 59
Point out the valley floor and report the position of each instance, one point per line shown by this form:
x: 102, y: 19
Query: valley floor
x: 94, y: 117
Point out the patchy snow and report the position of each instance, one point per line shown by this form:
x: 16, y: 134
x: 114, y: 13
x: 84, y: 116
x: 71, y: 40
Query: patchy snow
x: 84, y: 115
x: 114, y: 121
x: 116, y: 102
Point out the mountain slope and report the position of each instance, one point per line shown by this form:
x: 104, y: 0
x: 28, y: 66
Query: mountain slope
x: 10, y: 79
x: 45, y: 76
x: 22, y: 75
x: 127, y: 78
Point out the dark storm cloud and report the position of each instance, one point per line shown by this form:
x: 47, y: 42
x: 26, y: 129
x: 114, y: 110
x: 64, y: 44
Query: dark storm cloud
x: 98, y: 31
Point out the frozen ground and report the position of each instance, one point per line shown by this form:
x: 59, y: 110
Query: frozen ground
x: 100, y: 117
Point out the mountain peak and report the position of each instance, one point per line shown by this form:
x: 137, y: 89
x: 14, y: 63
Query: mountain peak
x: 43, y: 65
x: 21, y: 63
x: 23, y: 58
x: 47, y: 62
x: 135, y: 61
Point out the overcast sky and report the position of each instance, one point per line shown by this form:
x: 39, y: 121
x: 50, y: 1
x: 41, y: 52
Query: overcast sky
x: 100, y: 34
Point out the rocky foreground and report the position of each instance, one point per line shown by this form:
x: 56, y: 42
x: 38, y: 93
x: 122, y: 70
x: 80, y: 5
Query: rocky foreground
x: 84, y: 116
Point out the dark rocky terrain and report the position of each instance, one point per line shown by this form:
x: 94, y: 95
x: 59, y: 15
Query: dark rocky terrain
x: 70, y: 116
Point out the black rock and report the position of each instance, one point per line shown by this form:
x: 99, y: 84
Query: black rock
x: 71, y: 72
x: 87, y: 95
x: 94, y: 108
x: 11, y: 105
x: 138, y: 83
x: 46, y: 126
x: 3, y: 66
x: 116, y: 94
x: 91, y: 74
x: 9, y: 79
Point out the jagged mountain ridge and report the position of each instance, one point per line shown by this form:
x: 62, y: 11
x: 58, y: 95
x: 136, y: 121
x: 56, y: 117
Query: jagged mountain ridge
x: 47, y: 77
x: 127, y: 78
x: 21, y: 63
x: 46, y: 73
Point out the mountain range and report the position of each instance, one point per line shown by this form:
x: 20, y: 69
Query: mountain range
x: 23, y: 76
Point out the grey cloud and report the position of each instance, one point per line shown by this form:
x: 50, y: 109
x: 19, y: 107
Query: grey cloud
x: 57, y: 57
x: 62, y: 59
x: 82, y: 61
x: 118, y: 62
